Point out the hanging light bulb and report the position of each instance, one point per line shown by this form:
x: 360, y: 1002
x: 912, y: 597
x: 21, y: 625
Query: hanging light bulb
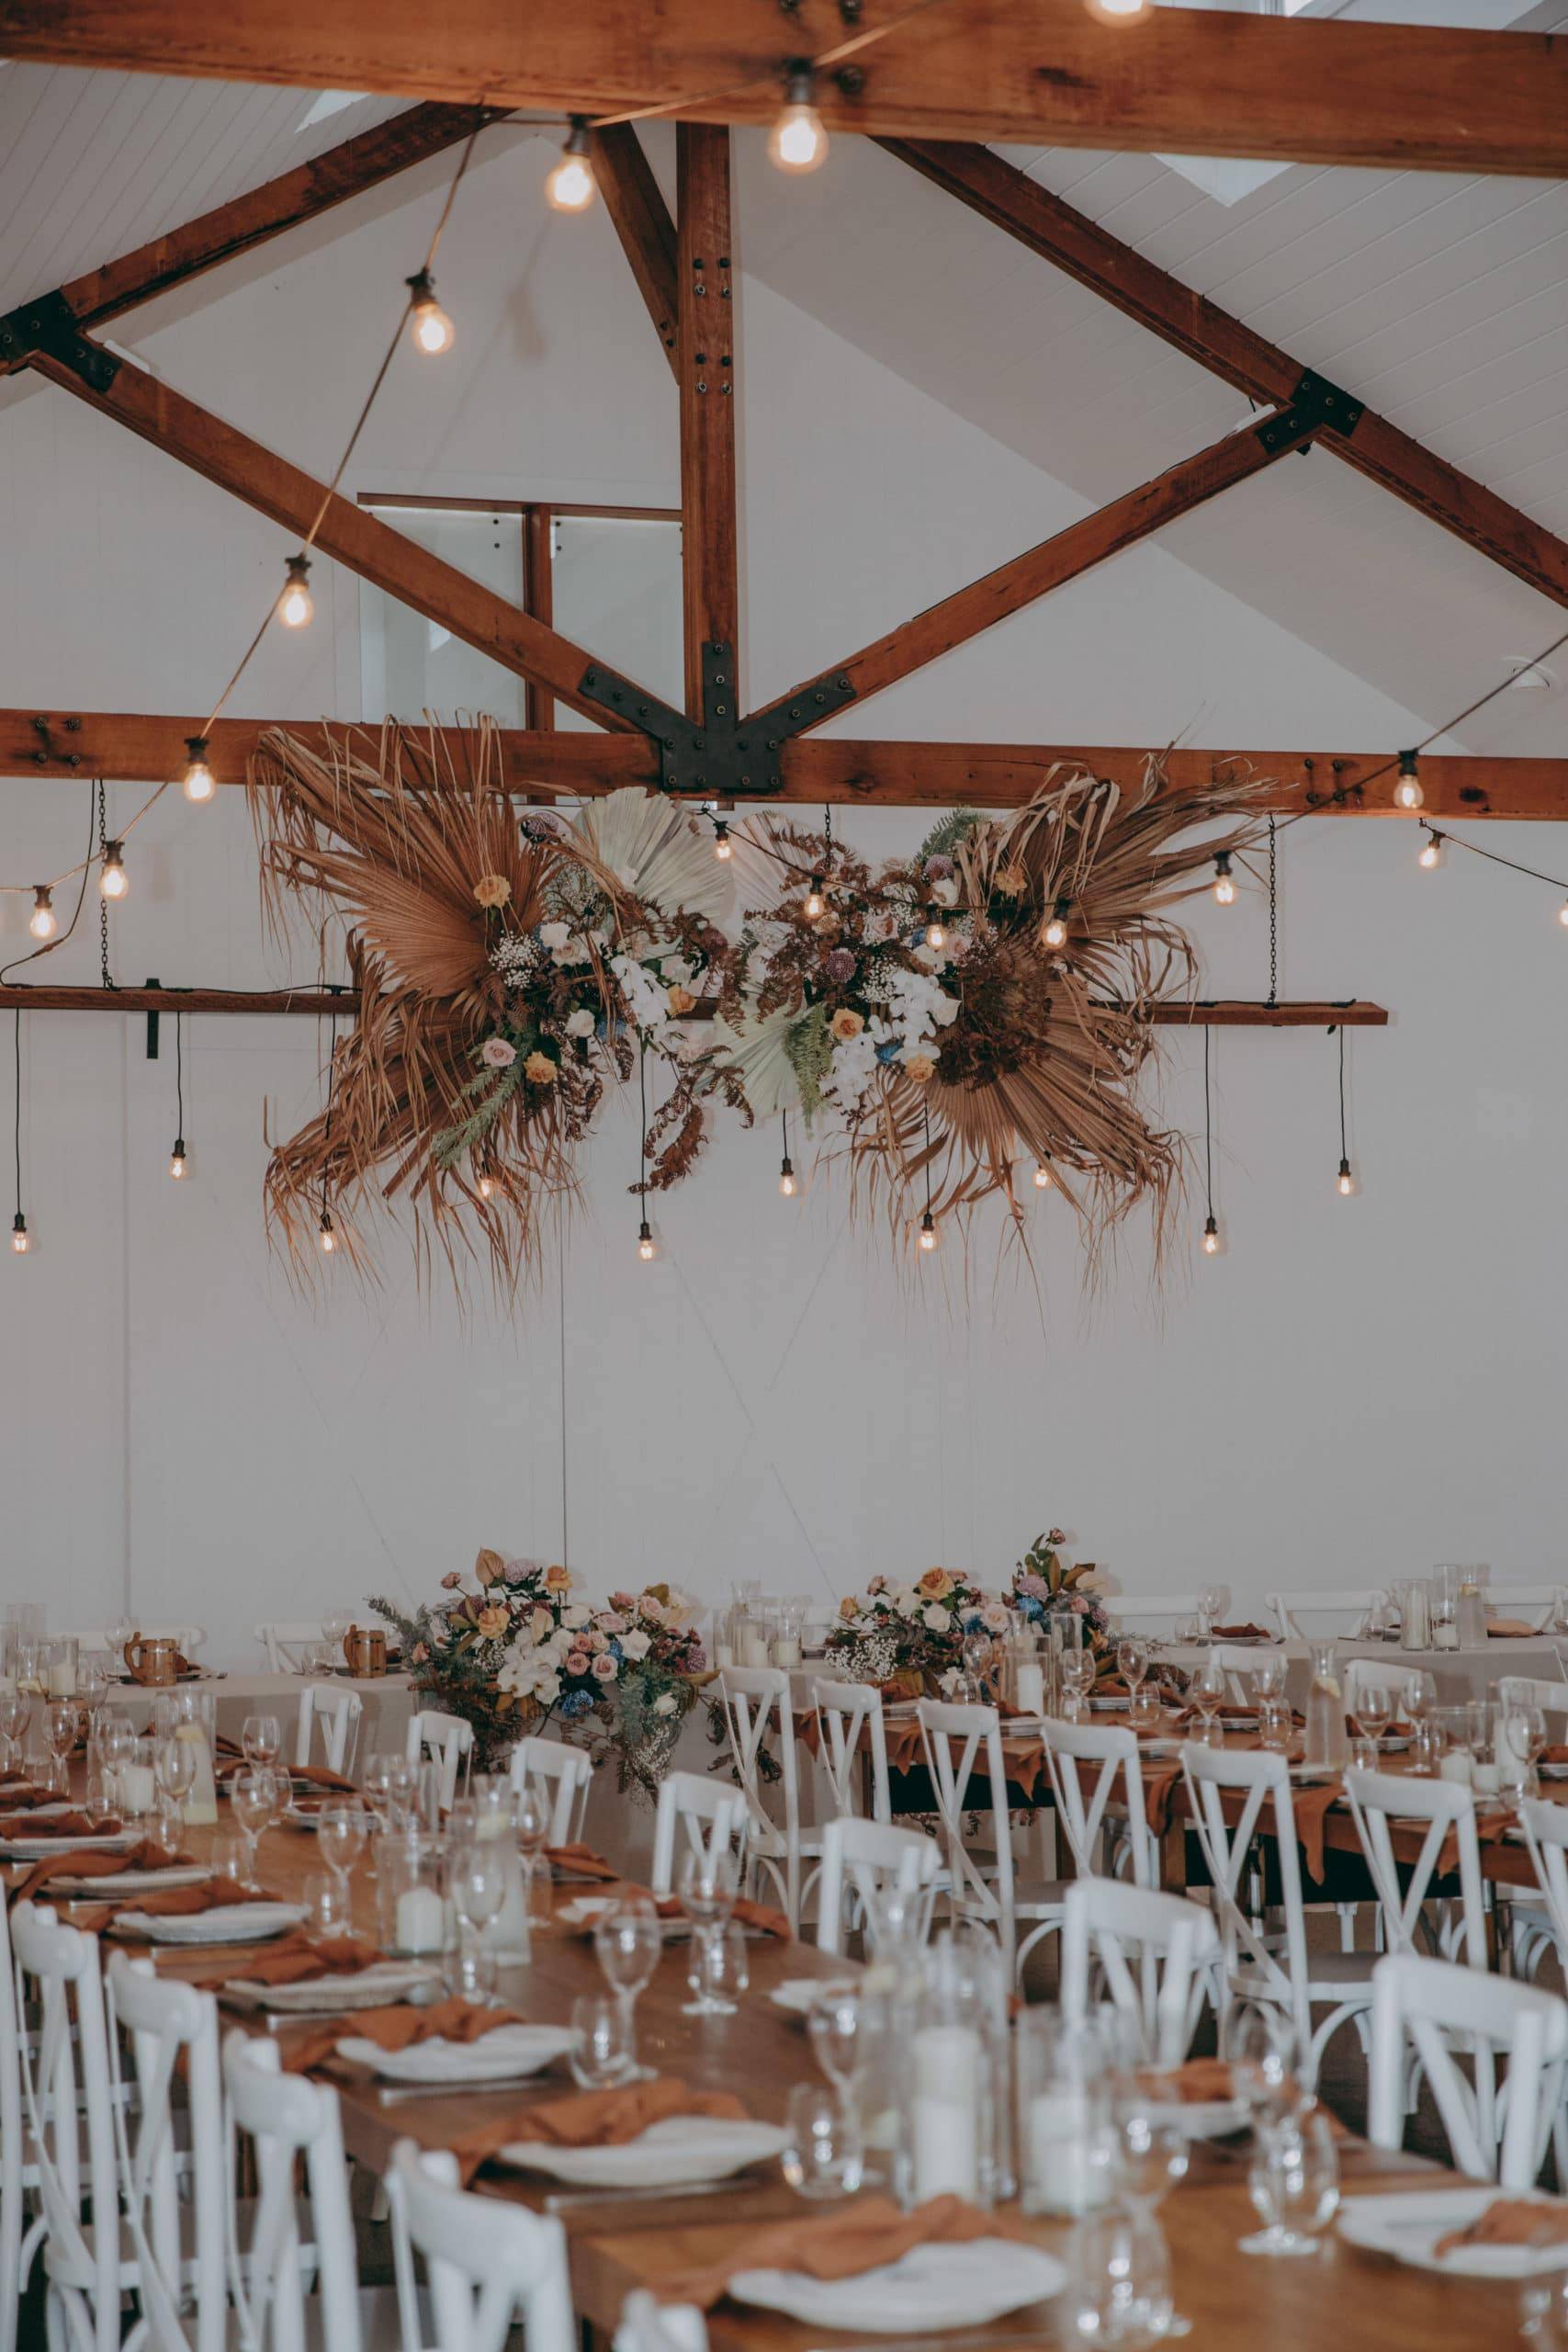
x: 1562, y: 914
x: 1041, y: 1176
x: 178, y: 1158
x: 797, y: 141
x: 723, y: 847
x: 1118, y: 12
x: 787, y: 1185
x: 1210, y: 1237
x: 1407, y: 792
x: 571, y: 187
x: 1345, y: 1181
x: 935, y: 936
x: 199, y: 783
x: 428, y: 323
x: 487, y: 1186
x: 21, y: 1239
x: 295, y: 609
x: 113, y: 880
x: 42, y: 922
x: 644, y: 1245
x: 1225, y: 884
x: 1055, y: 931
x: 1430, y: 854
x: 814, y: 902
x: 326, y: 1236
x: 928, y: 1232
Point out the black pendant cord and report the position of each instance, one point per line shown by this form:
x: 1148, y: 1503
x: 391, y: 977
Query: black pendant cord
x: 18, y: 1131
x: 1208, y: 1135
x: 327, y: 1129
x: 828, y: 837
x: 928, y: 1120
x: 1273, y: 912
x: 1493, y: 857
x: 1344, y: 1148
x: 642, y: 1119
x: 179, y: 1077
x: 102, y: 902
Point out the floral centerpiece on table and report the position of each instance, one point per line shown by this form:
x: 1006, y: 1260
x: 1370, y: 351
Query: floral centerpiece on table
x: 659, y: 1665
x: 912, y: 1634
x: 1043, y: 1589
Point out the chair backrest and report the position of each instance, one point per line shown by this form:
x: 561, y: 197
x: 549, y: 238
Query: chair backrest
x: 1448, y: 1809
x: 488, y: 2264
x: 756, y: 1705
x: 66, y: 2100
x: 337, y: 1711
x: 954, y: 1739
x: 860, y: 1858
x: 1545, y: 1824
x: 1396, y: 1679
x: 285, y: 2117
x: 1532, y: 1691
x: 1432, y: 2002
x: 648, y: 2326
x: 710, y: 1817
x: 1260, y: 1782
x: 847, y: 1714
x: 1174, y: 1941
x: 171, y: 2028
x: 567, y: 1773
x: 449, y: 1739
x: 1131, y: 1610
x: 12, y: 2197
x: 286, y: 1641
x: 96, y: 1637
x: 1347, y: 1604
x: 1109, y: 1753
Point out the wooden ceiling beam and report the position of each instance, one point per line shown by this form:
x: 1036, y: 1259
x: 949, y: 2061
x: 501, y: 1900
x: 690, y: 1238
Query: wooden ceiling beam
x: 708, y: 371
x: 1143, y: 291
x: 1065, y: 557
x: 248, y: 220
x: 635, y: 204
x: 1213, y: 82
x: 350, y: 533
x: 141, y: 748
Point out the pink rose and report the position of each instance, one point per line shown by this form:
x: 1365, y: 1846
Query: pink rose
x: 623, y: 1601
x: 577, y: 1663
x: 604, y: 1667
x: 451, y: 1581
x: 596, y: 1641
x: 612, y: 1621
x: 496, y: 1054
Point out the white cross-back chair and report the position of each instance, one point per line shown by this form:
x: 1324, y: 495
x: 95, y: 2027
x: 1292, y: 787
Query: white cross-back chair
x: 955, y: 1740
x: 490, y: 2264
x: 565, y: 1773
x: 287, y: 1641
x: 1533, y: 1691
x: 1083, y: 1816
x: 333, y: 1711
x: 1154, y: 1954
x: 847, y: 1712
x: 65, y: 2094
x: 861, y: 1857
x: 1131, y: 1610
x: 1540, y: 1917
x: 1278, y: 1974
x: 449, y: 1740
x: 757, y: 1706
x: 1424, y: 2007
x: 649, y: 2325
x: 1347, y: 1604
x: 19, y: 2240
x: 1239, y: 1662
x: 1448, y: 1808
x: 1361, y: 1673
x: 708, y: 1816
x: 176, y: 2246
x: 96, y: 1637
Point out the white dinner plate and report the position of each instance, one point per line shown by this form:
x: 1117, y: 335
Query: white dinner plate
x: 933, y: 2287
x: 682, y: 2149
x: 800, y: 1994
x: 134, y: 1881
x: 365, y: 1988
x: 1207, y: 2119
x: 584, y: 1912
x: 229, y: 1922
x: 1408, y: 2226
x: 504, y: 2056
x: 34, y: 1849
x: 1116, y: 1704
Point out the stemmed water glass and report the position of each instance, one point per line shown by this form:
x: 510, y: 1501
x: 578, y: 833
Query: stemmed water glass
x: 1293, y: 2182
x: 628, y: 1941
x: 835, y: 2028
x: 256, y: 1799
x: 261, y: 1737
x: 1418, y: 1698
x: 116, y: 1634
x: 1268, y: 1676
x: 1211, y: 1601
x: 1120, y: 2300
x: 531, y: 1826
x: 1207, y: 1692
x: 977, y: 1650
x: 16, y: 1714
x: 115, y: 1746
x: 1260, y: 2044
x: 1077, y: 1680
x: 342, y: 1831
x: 1132, y: 1660
x: 59, y: 1729
x: 174, y: 1762
x: 1371, y: 1703
x: 1521, y: 1736
x: 707, y: 1887
x: 476, y: 1880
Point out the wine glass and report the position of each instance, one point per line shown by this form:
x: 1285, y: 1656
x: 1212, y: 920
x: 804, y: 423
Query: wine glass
x: 717, y: 1969
x: 1152, y: 2151
x: 342, y: 1831
x: 255, y: 1801
x: 977, y: 1650
x: 1207, y: 1690
x: 1119, y: 2298
x: 1293, y: 2182
x: 261, y: 1737
x: 1260, y: 2044
x: 627, y: 1942
x: 60, y: 1727
x: 707, y: 1887
x: 1077, y: 1680
x: 476, y: 1880
x: 119, y: 1631
x: 823, y: 2155
x: 1132, y: 1660
x: 600, y: 2054
x: 336, y: 1630
x: 531, y: 1823
x: 1372, y: 1704
x: 16, y: 1714
x: 1521, y: 1736
x: 174, y: 1761
x: 1268, y: 1677
x: 1212, y: 1600
x: 836, y: 2026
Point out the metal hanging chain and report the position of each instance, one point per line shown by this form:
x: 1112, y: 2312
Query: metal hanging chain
x: 928, y: 1120
x: 103, y: 902
x: 642, y: 1129
x: 332, y: 1089
x: 179, y: 1077
x: 18, y: 1118
x: 1273, y: 912
x: 1208, y: 1134
x: 1344, y: 1148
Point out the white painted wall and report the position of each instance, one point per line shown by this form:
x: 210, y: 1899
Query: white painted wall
x: 1354, y: 1388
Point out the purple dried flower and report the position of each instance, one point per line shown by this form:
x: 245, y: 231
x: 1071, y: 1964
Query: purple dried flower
x: 938, y: 869
x: 839, y: 966
x: 543, y: 825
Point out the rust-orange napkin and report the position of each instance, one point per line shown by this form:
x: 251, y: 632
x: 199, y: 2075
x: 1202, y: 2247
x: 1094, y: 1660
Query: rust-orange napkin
x: 746, y: 1914
x: 182, y: 1902
x: 862, y: 2236
x: 24, y: 1794
x: 1311, y: 1808
x: 1197, y: 2082
x: 93, y: 1862
x: 398, y: 2027
x: 60, y: 1824
x: 294, y: 1958
x: 1510, y: 1628
x: 581, y: 1861
x: 1512, y: 2221
x: 592, y: 2118
x: 1248, y: 1633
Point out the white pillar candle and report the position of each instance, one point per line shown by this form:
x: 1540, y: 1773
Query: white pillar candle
x: 135, y: 1786
x: 1445, y: 1634
x: 421, y: 1920
x: 1455, y: 1766
x: 1032, y: 1689
x: 61, y: 1678
x: 1486, y: 1780
x: 787, y: 1650
x: 946, y: 2151
x: 753, y: 1647
x: 200, y: 1804
x: 1062, y: 2175
x: 724, y: 1655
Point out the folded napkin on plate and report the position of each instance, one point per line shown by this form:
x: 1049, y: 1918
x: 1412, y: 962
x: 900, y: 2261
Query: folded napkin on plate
x: 746, y: 1914
x: 864, y: 2236
x: 295, y: 1958
x: 94, y: 1862
x: 581, y: 1861
x: 1556, y: 1754
x: 60, y: 1824
x: 1248, y: 1633
x: 592, y: 2119
x: 1197, y: 2082
x: 398, y: 2028
x: 24, y: 1794
x: 316, y: 1775
x: 1510, y: 1627
x: 182, y: 1902
x: 1512, y: 2221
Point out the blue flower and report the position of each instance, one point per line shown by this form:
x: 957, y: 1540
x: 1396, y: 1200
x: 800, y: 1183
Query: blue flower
x: 1027, y: 1605
x: 575, y: 1703
x: 615, y: 1649
x: 889, y: 1050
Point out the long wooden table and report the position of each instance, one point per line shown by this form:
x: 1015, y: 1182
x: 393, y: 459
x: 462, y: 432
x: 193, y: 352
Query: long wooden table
x: 1342, y: 2298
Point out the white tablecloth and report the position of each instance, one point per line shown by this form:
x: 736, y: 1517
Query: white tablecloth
x: 1460, y: 1675
x: 389, y: 1702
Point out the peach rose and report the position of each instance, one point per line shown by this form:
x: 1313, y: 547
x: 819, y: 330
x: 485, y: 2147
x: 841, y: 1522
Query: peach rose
x: 539, y: 1070
x: 577, y: 1664
x: 492, y: 1620
x: 681, y: 1000
x: 1012, y: 881
x: 493, y: 891
x: 918, y: 1068
x: 935, y: 1585
x: 558, y: 1580
x: 845, y: 1025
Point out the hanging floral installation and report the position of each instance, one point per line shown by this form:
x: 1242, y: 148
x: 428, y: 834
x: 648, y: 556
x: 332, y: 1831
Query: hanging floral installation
x: 987, y: 1002
x: 508, y: 970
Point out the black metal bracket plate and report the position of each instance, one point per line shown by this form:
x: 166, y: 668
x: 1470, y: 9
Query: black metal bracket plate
x: 1316, y: 406
x: 722, y: 755
x: 50, y: 325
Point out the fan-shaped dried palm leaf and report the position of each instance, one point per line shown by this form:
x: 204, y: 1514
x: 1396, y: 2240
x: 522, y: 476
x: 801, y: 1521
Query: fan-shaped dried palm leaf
x: 658, y: 850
